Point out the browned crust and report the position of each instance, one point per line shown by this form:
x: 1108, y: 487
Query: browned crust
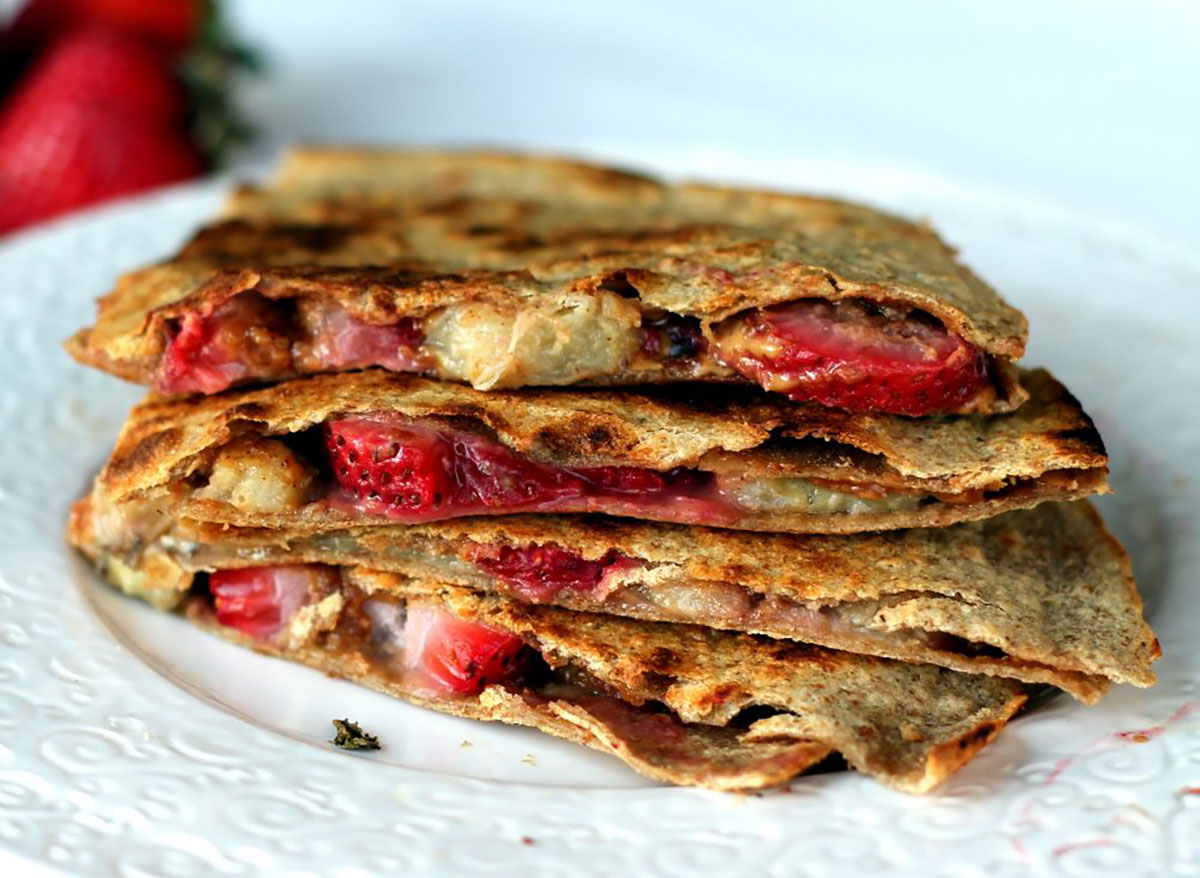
x: 1024, y: 495
x: 1048, y: 449
x: 859, y: 706
x: 1049, y: 591
x: 709, y: 756
x: 507, y: 228
x: 887, y: 718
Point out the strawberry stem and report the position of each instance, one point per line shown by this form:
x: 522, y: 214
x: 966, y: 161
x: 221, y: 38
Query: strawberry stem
x: 208, y: 71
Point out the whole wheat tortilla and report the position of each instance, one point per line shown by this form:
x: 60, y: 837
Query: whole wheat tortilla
x: 907, y: 726
x: 388, y: 235
x: 655, y: 744
x: 1045, y: 595
x: 1046, y: 450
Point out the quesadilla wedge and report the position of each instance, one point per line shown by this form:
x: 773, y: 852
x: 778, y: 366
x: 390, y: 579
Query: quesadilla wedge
x: 510, y: 271
x: 1044, y: 595
x: 680, y: 704
x: 372, y: 447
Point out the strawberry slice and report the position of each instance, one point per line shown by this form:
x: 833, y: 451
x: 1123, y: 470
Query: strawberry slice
x: 627, y: 479
x: 538, y: 573
x: 411, y: 468
x: 405, y: 467
x: 853, y: 355
x: 342, y: 341
x: 197, y: 360
x: 412, y: 472
x: 492, y: 476
x: 260, y: 601
x: 460, y: 657
x: 242, y: 338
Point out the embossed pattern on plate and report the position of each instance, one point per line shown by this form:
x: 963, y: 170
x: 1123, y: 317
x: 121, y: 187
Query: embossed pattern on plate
x: 128, y: 749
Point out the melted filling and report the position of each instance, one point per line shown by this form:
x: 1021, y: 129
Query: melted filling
x: 815, y: 498
x: 431, y: 650
x: 249, y: 338
x: 432, y: 654
x: 618, y: 584
x: 242, y: 339
x: 332, y: 340
x: 851, y: 354
x: 539, y: 573
x: 411, y: 472
x: 438, y: 654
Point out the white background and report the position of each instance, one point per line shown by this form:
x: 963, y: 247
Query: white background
x: 1093, y: 102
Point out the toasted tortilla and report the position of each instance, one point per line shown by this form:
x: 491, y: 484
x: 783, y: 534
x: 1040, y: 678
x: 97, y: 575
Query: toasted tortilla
x: 1047, y: 450
x: 682, y: 704
x: 388, y: 235
x: 1045, y: 595
x: 655, y: 744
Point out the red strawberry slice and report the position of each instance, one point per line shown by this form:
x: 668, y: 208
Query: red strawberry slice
x: 494, y: 477
x: 342, y: 341
x: 260, y: 601
x: 626, y: 479
x: 240, y: 339
x: 199, y: 359
x: 411, y: 468
x: 417, y: 473
x: 538, y: 573
x: 356, y: 344
x: 459, y: 656
x: 852, y: 355
x: 405, y: 467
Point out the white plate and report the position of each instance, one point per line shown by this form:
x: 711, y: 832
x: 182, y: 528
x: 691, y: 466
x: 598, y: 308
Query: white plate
x: 132, y: 745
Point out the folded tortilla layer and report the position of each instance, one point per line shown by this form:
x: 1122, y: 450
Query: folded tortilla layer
x: 942, y: 470
x: 1045, y: 595
x: 387, y: 236
x: 678, y: 703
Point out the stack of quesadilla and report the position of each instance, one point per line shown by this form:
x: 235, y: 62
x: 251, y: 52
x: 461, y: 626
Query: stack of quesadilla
x: 725, y: 483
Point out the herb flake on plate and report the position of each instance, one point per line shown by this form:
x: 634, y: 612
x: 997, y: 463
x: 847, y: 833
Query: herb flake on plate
x: 350, y: 736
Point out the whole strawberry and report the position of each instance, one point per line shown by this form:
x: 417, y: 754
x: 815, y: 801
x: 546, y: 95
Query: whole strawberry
x: 99, y: 115
x: 173, y: 24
